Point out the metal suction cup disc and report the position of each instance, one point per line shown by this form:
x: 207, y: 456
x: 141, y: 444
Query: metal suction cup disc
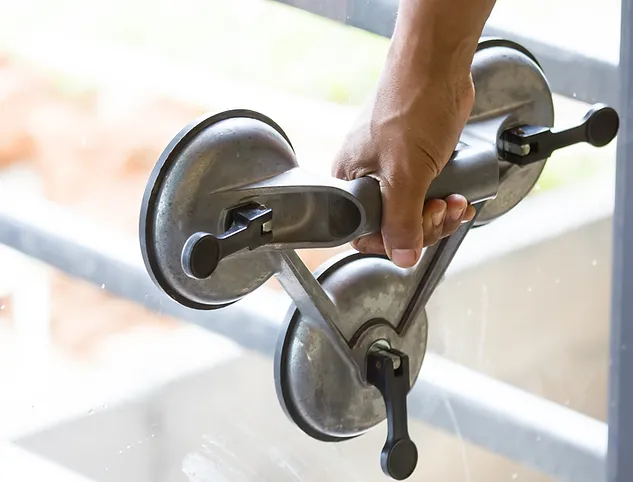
x: 318, y: 392
x: 509, y: 93
x: 184, y: 196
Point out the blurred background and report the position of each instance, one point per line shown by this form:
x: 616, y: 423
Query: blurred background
x: 90, y: 94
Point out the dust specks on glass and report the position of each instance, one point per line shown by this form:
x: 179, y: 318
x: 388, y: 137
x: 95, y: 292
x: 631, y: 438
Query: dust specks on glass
x: 491, y: 355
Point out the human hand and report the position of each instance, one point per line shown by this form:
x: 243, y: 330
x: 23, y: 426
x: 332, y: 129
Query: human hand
x: 404, y: 138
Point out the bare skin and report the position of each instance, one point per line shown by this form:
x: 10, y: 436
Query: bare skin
x: 413, y: 122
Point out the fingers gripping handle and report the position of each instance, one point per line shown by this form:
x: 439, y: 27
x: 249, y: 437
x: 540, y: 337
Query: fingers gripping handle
x: 473, y: 173
x: 293, y: 210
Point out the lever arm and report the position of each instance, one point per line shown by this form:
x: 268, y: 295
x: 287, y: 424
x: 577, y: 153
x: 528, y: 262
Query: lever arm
x: 249, y: 229
x: 388, y: 371
x: 525, y: 145
x: 431, y: 268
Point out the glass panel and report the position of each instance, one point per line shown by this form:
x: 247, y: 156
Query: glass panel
x: 534, y: 291
x: 109, y: 390
x: 585, y: 26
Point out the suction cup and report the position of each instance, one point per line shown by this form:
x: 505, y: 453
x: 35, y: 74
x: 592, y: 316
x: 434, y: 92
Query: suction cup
x: 315, y: 387
x: 511, y: 90
x: 188, y: 189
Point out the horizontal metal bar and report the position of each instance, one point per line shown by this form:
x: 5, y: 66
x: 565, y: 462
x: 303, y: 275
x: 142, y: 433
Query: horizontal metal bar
x: 570, y: 74
x: 90, y: 251
x: 496, y: 416
x: 511, y: 422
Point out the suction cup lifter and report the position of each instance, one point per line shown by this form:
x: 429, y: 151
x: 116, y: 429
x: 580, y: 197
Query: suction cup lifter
x: 289, y: 211
x: 227, y: 205
x: 355, y: 206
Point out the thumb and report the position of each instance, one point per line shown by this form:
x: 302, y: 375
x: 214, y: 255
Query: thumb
x: 402, y: 233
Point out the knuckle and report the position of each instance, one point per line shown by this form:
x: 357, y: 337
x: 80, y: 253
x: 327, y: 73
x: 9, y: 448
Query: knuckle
x: 430, y: 160
x: 397, y: 182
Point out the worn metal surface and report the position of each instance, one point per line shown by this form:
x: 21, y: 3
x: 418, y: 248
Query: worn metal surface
x: 367, y: 291
x: 229, y: 159
x: 511, y: 91
x: 373, y: 302
x: 199, y: 162
x: 620, y: 416
x: 310, y: 298
x: 236, y: 157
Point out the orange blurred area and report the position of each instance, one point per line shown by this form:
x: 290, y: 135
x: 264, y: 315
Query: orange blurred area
x: 93, y: 152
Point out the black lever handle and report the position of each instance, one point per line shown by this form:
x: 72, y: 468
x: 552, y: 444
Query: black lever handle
x: 203, y: 252
x: 525, y: 145
x: 388, y: 371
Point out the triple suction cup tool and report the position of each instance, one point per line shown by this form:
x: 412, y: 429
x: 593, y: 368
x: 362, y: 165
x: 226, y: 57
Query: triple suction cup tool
x: 227, y: 206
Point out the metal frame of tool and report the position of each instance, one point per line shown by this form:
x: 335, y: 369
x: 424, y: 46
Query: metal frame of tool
x: 547, y: 443
x: 227, y: 204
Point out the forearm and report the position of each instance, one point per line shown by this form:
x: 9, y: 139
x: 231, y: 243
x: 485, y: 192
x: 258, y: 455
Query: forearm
x: 439, y: 35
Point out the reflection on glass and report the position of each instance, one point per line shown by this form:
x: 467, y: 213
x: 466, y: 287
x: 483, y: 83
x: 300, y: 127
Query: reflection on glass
x: 90, y: 94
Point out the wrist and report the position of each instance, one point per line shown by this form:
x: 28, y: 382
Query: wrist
x: 431, y: 54
x: 430, y: 37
